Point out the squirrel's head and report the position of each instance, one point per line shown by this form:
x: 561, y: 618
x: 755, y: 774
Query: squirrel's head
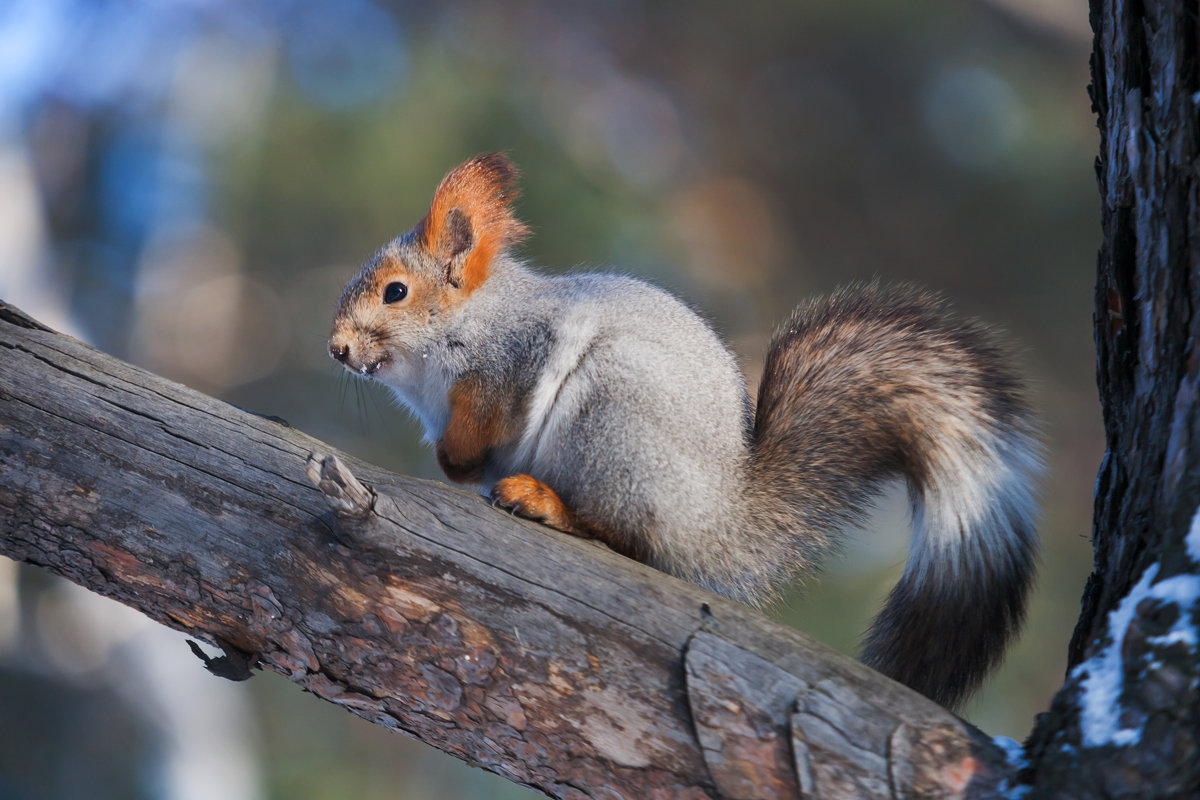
x: 390, y: 311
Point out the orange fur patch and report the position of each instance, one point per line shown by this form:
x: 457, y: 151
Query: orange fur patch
x: 528, y: 497
x: 482, y: 189
x: 477, y: 424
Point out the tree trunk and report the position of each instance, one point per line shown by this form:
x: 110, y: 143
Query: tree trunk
x: 544, y: 658
x: 1127, y: 721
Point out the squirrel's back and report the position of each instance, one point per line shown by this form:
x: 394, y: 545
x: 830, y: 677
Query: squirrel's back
x: 642, y: 387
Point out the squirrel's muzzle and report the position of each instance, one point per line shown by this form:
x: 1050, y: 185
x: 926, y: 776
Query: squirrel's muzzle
x: 357, y: 360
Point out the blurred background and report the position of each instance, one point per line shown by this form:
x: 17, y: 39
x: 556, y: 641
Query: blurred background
x: 187, y: 185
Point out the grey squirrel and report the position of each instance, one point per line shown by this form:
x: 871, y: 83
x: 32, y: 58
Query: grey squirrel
x: 605, y: 407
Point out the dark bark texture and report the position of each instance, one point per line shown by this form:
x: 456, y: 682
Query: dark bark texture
x: 1145, y: 84
x: 546, y: 659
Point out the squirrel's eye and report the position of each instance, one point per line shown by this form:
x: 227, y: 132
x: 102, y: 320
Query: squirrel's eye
x: 395, y: 292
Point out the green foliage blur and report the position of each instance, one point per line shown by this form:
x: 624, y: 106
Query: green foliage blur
x: 202, y: 221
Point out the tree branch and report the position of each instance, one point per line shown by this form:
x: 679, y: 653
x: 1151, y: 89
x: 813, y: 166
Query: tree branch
x: 546, y: 659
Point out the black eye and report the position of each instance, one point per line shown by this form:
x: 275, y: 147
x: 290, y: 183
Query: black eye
x: 395, y: 292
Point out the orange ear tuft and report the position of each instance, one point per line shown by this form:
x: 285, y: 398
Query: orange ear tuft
x: 470, y: 220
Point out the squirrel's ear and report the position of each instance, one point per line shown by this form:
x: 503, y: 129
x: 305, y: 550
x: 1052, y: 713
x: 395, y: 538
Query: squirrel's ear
x: 470, y: 222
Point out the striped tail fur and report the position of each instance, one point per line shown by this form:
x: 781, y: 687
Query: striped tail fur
x: 873, y: 384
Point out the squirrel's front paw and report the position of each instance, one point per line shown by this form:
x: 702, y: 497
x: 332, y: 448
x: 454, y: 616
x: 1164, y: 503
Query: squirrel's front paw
x: 528, y: 497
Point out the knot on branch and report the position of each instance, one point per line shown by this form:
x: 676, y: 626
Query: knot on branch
x: 347, y: 496
x: 235, y: 665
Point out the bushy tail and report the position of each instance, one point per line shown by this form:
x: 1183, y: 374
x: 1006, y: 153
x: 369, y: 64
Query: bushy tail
x: 874, y: 384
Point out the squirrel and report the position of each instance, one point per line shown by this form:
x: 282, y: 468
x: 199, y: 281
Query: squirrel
x: 605, y: 407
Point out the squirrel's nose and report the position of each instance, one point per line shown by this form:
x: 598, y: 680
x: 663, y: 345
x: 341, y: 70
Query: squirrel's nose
x: 339, y: 352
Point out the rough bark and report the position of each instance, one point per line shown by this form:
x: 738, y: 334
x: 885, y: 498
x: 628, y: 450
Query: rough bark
x: 546, y: 659
x: 1127, y: 721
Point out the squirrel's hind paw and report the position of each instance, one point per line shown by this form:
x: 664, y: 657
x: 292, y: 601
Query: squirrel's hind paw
x: 528, y: 497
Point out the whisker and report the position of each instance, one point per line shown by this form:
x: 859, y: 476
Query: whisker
x: 361, y: 402
x: 375, y: 404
